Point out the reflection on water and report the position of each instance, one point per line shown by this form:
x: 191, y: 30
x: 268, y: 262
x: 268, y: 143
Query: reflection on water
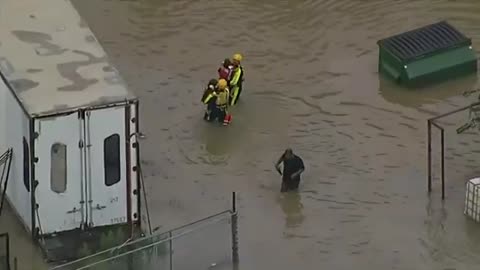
x: 217, y: 141
x: 416, y: 98
x: 292, y: 206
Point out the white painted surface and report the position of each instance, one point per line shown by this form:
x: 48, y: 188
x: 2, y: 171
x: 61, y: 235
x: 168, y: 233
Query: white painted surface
x: 53, y: 60
x: 108, y: 203
x: 14, y: 126
x: 133, y: 163
x: 55, y: 209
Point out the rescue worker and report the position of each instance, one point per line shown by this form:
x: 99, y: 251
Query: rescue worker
x: 209, y: 98
x: 292, y: 168
x: 237, y: 79
x: 223, y: 96
x: 225, y: 71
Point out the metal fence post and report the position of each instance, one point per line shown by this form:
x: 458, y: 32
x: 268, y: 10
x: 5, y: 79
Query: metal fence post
x: 8, y: 252
x: 235, y: 258
x: 429, y: 153
x: 170, y: 249
x: 443, y: 163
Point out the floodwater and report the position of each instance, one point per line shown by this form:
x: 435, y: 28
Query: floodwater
x: 311, y: 84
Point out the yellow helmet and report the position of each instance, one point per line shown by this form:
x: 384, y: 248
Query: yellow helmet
x: 222, y: 84
x: 237, y: 57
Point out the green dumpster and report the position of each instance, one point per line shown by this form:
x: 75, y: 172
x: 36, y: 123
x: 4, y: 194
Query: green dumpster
x: 426, y: 55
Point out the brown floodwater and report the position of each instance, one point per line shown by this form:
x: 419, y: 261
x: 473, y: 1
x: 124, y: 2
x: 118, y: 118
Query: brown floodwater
x: 311, y: 83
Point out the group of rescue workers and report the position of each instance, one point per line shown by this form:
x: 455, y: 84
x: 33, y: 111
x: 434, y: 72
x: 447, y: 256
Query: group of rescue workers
x: 224, y: 92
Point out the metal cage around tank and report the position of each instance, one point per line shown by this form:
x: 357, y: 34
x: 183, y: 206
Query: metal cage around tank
x: 433, y: 123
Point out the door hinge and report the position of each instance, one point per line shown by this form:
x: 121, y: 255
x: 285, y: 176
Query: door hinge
x: 81, y: 114
x: 80, y: 144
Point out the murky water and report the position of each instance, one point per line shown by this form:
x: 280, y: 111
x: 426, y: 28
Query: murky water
x: 311, y: 84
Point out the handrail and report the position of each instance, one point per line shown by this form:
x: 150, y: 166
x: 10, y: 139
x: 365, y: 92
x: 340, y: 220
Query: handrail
x: 7, y: 159
x: 6, y: 155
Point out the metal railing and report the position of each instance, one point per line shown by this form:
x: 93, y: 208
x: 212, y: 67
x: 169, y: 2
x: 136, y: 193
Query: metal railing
x: 5, y: 164
x: 198, y: 245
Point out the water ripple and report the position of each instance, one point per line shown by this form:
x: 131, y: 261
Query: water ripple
x: 312, y: 83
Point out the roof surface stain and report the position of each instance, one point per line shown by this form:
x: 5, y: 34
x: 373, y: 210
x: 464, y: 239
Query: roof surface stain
x: 34, y: 70
x: 90, y: 38
x: 46, y: 47
x: 22, y: 85
x: 69, y: 71
x: 52, y: 60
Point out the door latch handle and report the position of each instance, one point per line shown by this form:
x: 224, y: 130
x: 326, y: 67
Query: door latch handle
x: 98, y: 207
x: 74, y: 210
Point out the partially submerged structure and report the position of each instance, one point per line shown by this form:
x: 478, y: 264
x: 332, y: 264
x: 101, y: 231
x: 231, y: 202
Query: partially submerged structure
x: 425, y: 55
x: 71, y: 123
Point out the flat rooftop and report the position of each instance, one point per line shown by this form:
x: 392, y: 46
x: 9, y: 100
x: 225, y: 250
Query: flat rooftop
x: 52, y: 60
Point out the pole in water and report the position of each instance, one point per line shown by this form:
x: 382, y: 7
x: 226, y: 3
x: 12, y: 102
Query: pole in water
x: 443, y: 164
x: 234, y: 230
x: 234, y: 202
x: 429, y: 154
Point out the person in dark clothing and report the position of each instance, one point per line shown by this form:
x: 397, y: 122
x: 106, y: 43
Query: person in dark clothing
x: 292, y: 168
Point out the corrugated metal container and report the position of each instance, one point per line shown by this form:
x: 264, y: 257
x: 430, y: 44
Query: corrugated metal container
x: 426, y: 55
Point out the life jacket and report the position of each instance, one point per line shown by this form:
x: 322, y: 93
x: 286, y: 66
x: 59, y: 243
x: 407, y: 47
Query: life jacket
x: 209, y: 98
x: 225, y: 73
x: 242, y: 77
x: 222, y: 98
x: 239, y: 83
x: 208, y: 94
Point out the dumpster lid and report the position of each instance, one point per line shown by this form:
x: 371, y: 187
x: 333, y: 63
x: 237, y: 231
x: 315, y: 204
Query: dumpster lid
x: 425, y: 40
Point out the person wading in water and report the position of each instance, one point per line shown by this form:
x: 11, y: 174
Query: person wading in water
x: 292, y: 168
